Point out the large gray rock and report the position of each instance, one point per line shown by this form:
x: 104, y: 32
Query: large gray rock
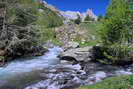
x: 77, y: 54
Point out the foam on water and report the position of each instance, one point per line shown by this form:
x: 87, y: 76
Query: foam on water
x: 36, y: 63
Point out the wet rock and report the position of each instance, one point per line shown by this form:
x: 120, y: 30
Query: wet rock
x: 123, y: 72
x: 66, y: 76
x: 38, y: 51
x: 65, y: 62
x: 100, y: 76
x: 72, y: 76
x: 68, y: 59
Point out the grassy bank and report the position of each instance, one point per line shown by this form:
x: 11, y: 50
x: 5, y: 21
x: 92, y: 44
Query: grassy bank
x: 121, y: 82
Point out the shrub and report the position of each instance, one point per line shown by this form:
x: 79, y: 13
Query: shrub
x: 78, y: 20
x: 100, y: 17
x: 117, y: 31
x: 88, y: 18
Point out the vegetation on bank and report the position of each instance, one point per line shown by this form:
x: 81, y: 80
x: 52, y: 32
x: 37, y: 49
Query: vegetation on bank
x: 24, y: 26
x: 116, y: 32
x: 88, y: 18
x: 120, y: 82
x: 116, y: 37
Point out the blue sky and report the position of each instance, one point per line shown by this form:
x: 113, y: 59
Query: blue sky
x: 98, y: 6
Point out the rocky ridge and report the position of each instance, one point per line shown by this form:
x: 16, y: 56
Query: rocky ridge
x: 72, y: 15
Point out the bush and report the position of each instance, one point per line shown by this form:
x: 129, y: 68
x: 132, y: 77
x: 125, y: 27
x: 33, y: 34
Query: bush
x: 78, y: 20
x: 119, y: 54
x: 88, y: 18
x: 100, y: 17
x: 116, y: 32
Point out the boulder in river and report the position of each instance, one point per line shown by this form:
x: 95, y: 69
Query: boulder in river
x: 77, y: 54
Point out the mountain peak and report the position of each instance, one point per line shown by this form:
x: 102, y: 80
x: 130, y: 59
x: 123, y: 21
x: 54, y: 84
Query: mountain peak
x: 72, y: 15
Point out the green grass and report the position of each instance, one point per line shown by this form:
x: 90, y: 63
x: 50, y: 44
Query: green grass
x: 91, y: 30
x: 91, y: 43
x: 91, y: 27
x: 120, y: 82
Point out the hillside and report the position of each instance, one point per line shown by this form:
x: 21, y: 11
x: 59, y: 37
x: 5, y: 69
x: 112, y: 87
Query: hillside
x: 85, y: 34
x: 22, y: 23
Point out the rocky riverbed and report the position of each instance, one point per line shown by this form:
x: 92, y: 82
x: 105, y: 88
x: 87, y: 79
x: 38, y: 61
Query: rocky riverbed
x: 70, y: 75
x: 67, y: 76
x: 51, y: 72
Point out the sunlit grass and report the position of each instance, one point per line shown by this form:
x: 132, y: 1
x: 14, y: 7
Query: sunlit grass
x: 121, y: 82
